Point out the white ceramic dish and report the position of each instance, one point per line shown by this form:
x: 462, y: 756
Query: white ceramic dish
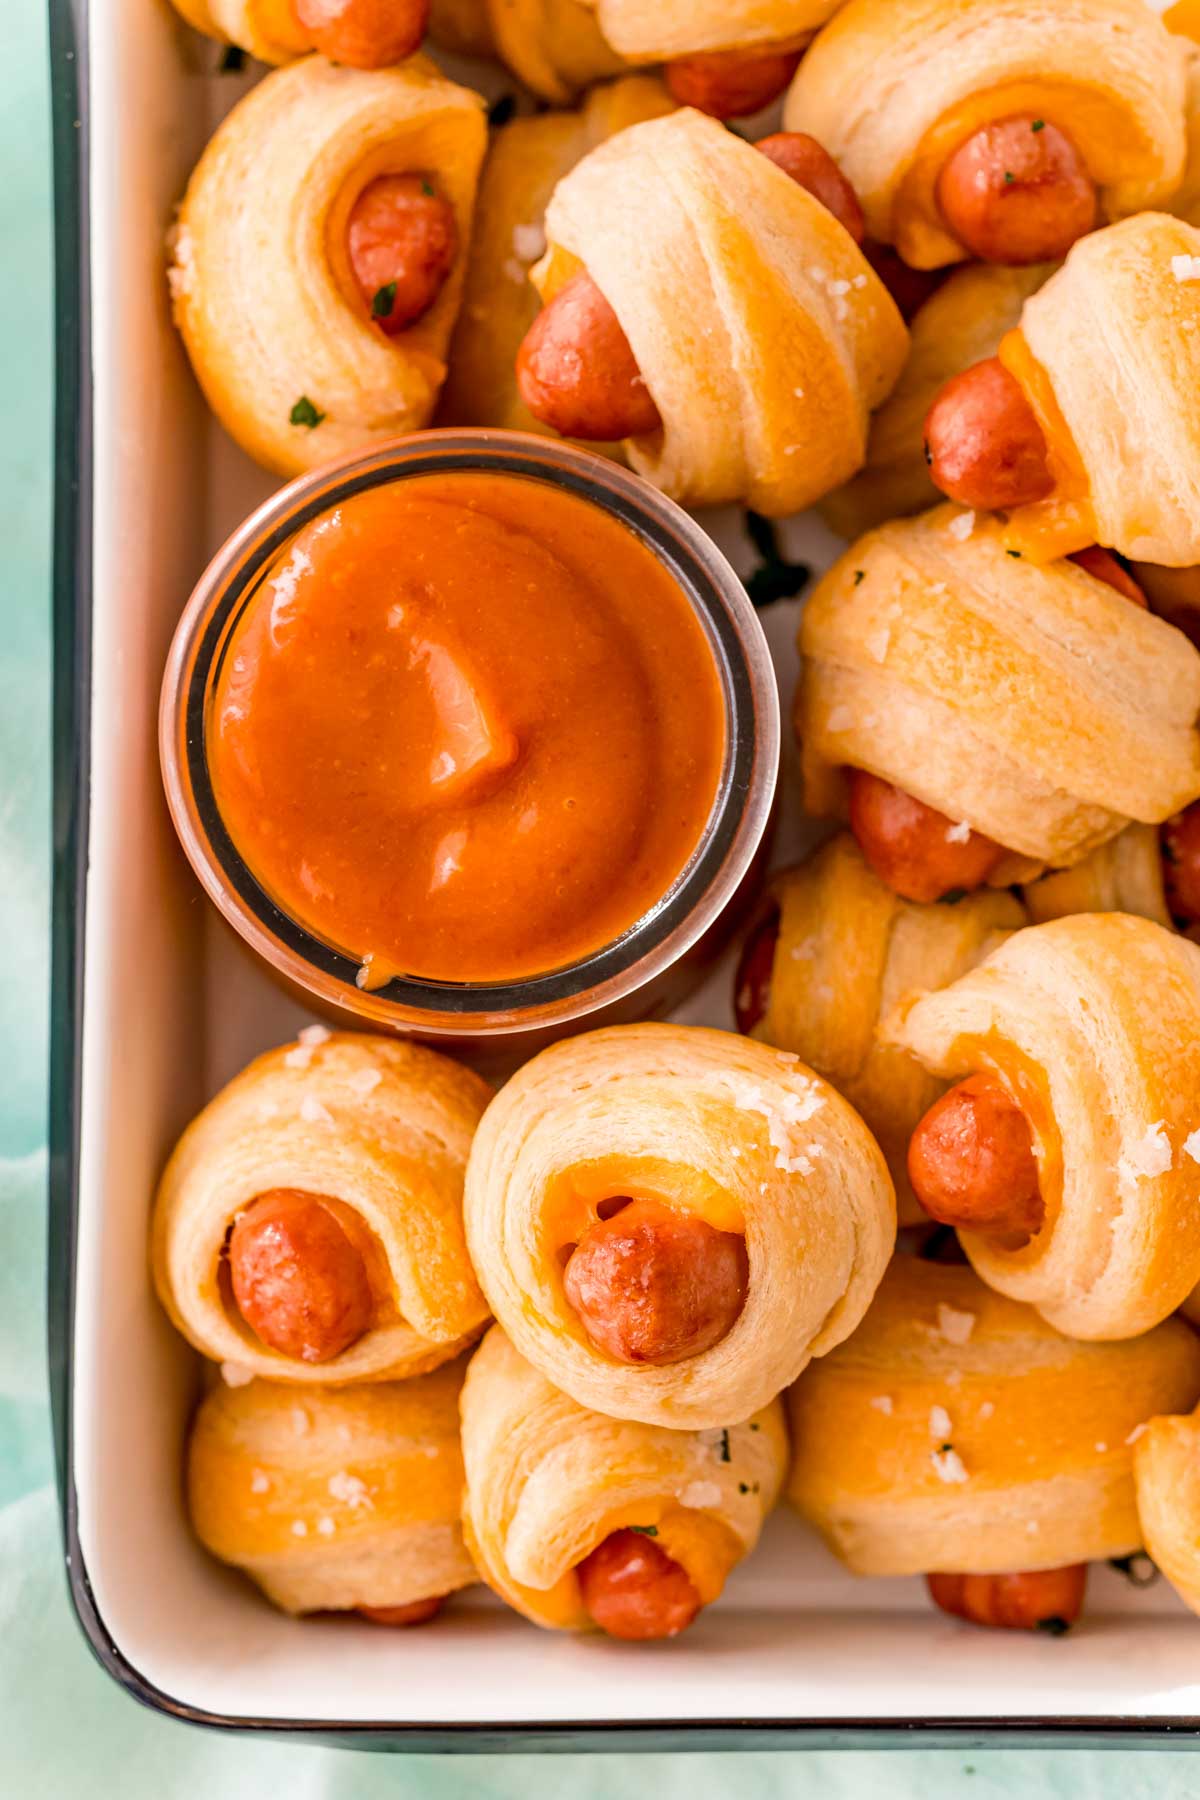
x: 155, y: 1005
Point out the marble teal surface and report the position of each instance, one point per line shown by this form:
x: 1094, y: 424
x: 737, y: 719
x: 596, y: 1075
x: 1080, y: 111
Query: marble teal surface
x: 65, y: 1732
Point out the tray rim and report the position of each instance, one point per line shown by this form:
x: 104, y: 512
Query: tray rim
x: 71, y: 793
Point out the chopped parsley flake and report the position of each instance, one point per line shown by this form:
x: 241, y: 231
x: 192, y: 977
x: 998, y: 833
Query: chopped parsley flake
x: 305, y: 413
x: 645, y: 1530
x: 943, y: 1448
x: 725, y: 1456
x: 1008, y: 177
x: 1038, y: 125
x: 384, y: 301
x: 859, y: 575
x: 427, y: 187
x: 1015, y: 553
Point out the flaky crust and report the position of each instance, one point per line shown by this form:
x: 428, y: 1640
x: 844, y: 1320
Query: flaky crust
x: 1104, y: 351
x: 763, y: 335
x: 960, y: 324
x: 683, y: 27
x: 1166, y: 1469
x: 380, y: 1125
x: 849, y: 950
x: 892, y: 87
x: 713, y: 1124
x: 266, y: 29
x: 260, y: 279
x: 526, y: 161
x: 333, y: 1498
x: 547, y: 1481
x: 1093, y: 1022
x: 1033, y: 702
x: 556, y: 47
x: 957, y: 1432
x: 1124, y: 875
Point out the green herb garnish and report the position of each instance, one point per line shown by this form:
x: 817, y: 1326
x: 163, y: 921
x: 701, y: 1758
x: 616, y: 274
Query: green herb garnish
x: 725, y: 1456
x: 775, y: 578
x: 427, y: 187
x: 1015, y: 553
x: 502, y: 110
x: 1054, y: 1626
x: 943, y: 1448
x: 305, y: 413
x: 384, y: 301
x: 1038, y: 125
x: 859, y: 575
x: 233, y: 60
x: 645, y: 1530
x: 1008, y: 177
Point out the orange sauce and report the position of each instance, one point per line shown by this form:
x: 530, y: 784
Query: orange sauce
x: 469, y: 728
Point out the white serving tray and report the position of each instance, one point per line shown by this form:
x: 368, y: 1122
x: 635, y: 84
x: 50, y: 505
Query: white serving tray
x: 156, y: 1005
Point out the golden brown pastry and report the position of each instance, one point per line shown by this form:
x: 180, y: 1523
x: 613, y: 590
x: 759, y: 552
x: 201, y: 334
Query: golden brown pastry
x: 583, y: 1522
x: 556, y: 47
x: 299, y: 196
x: 335, y: 1499
x: 895, y: 88
x: 1032, y: 704
x: 1166, y: 1470
x: 1089, y: 1026
x: 763, y: 337
x: 633, y: 1199
x: 308, y: 1226
x: 844, y: 951
x: 1123, y: 875
x: 955, y: 1432
x: 958, y: 325
x: 266, y: 29
x: 362, y: 34
x: 526, y: 160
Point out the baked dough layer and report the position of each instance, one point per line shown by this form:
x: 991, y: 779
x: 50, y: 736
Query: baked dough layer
x: 957, y: 1432
x: 960, y: 324
x: 685, y: 27
x: 1123, y: 875
x: 1166, y: 1467
x: 525, y: 163
x: 848, y: 951
x: 1104, y: 350
x: 266, y: 29
x: 333, y: 1498
x: 1093, y: 1022
x: 547, y: 1481
x: 1031, y: 701
x: 716, y: 1125
x: 763, y: 335
x: 892, y: 87
x: 378, y: 1124
x: 260, y: 280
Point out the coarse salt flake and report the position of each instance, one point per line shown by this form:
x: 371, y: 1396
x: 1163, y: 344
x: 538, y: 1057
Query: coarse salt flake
x: 986, y: 1410
x: 259, y: 1483
x: 236, y: 1374
x: 1186, y: 268
x: 351, y: 1490
x: 840, y: 718
x: 313, y: 1036
x: 882, y: 1403
x: 1191, y: 1145
x: 528, y: 242
x: 958, y: 834
x: 1151, y: 1155
x: 961, y: 526
x: 877, y: 643
x: 326, y: 1527
x: 1100, y: 1449
x: 300, y: 1421
x: 955, y: 1326
x: 948, y: 1465
x: 699, y: 1494
x: 939, y: 1422
x: 364, y: 1081
x: 1135, y: 1434
x: 299, y: 1528
x: 314, y: 1111
x: 298, y: 1057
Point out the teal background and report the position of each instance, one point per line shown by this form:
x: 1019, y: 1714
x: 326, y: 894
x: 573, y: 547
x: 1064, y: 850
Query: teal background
x: 65, y: 1730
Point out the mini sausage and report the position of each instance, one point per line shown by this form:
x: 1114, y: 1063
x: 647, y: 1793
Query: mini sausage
x: 1017, y: 191
x: 415, y: 1613
x: 633, y: 1589
x: 1037, y: 1599
x: 366, y: 34
x: 909, y: 288
x: 983, y: 443
x: 972, y: 1165
x: 1103, y: 566
x: 299, y: 1280
x: 652, y: 1285
x: 756, y: 965
x: 402, y: 240
x: 914, y: 849
x: 1179, y: 840
x: 812, y: 168
x: 577, y: 373
x: 731, y: 84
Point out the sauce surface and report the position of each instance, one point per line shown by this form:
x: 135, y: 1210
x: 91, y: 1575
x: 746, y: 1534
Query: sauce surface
x: 469, y: 728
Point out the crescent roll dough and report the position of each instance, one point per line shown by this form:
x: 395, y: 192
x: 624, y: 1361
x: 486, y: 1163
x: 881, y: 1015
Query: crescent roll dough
x: 685, y: 27
x: 1093, y: 1022
x: 1103, y: 351
x: 548, y: 1481
x: 380, y: 1125
x: 891, y: 88
x: 956, y: 1432
x: 556, y: 47
x: 763, y: 335
x: 334, y: 1498
x: 848, y: 950
x: 1124, y: 875
x: 1166, y: 1469
x: 266, y: 29
x: 525, y: 163
x: 714, y: 1125
x: 1033, y: 702
x: 260, y: 277
x: 960, y: 324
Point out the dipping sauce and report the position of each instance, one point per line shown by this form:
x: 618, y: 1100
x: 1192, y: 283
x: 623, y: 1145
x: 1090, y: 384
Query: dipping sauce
x: 469, y: 728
